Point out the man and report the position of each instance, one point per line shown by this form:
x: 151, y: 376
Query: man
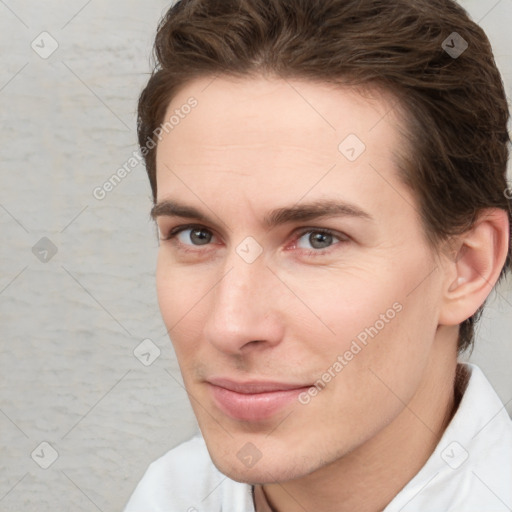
x: 329, y: 184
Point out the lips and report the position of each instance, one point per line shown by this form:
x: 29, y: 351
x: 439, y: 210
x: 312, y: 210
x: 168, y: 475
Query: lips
x: 253, y: 401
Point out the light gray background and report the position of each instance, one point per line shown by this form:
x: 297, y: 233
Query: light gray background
x: 68, y: 374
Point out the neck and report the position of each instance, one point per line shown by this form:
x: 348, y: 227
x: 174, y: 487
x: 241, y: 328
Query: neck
x: 369, y: 477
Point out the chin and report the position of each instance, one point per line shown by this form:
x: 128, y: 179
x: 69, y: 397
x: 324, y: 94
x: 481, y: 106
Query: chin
x: 267, y: 470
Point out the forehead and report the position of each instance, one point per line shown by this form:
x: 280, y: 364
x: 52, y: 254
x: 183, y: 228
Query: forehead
x: 268, y: 141
x: 275, y: 113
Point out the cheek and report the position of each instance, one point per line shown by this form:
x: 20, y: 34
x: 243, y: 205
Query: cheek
x: 179, y: 293
x: 178, y: 286
x: 167, y: 282
x: 387, y: 353
x: 350, y: 303
x: 383, y: 322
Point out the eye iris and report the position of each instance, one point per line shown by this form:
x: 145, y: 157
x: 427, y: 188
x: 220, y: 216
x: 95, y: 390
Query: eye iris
x: 200, y: 236
x: 320, y: 240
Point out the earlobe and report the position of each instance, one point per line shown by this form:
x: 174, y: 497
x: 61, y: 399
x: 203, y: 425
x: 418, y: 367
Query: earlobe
x: 475, y: 269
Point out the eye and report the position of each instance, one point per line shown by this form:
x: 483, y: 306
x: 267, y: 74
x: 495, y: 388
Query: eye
x: 196, y: 236
x: 317, y: 239
x: 191, y: 235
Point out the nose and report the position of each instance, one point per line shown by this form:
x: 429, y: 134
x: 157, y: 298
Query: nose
x: 244, y: 308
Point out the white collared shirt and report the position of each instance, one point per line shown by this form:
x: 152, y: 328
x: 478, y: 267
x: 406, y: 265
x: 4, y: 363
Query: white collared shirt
x: 469, y: 471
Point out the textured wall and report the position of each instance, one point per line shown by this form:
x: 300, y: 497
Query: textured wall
x: 77, y: 292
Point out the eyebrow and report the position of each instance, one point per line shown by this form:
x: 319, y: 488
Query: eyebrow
x: 279, y: 216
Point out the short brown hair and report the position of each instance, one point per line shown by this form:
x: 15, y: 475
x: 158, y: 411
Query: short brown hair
x: 456, y: 107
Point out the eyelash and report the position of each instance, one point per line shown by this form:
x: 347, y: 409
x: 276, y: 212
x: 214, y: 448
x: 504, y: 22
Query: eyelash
x: 173, y: 233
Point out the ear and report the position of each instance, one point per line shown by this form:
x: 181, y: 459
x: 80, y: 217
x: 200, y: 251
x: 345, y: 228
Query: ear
x: 475, y: 266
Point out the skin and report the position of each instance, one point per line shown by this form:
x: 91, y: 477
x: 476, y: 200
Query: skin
x: 255, y: 145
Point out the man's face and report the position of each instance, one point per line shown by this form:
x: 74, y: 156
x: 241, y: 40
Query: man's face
x: 264, y: 295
